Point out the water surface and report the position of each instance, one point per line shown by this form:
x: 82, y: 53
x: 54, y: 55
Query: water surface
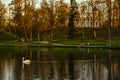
x: 59, y: 64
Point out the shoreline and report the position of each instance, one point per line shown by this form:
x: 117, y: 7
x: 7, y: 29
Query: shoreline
x: 63, y: 46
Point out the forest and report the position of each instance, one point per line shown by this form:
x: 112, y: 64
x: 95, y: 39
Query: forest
x: 56, y: 19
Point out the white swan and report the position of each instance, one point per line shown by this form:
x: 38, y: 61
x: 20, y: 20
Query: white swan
x: 26, y: 61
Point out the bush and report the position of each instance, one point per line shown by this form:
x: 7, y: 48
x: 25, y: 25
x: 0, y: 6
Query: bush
x: 5, y: 36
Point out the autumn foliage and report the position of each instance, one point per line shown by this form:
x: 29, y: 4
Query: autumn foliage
x: 51, y: 20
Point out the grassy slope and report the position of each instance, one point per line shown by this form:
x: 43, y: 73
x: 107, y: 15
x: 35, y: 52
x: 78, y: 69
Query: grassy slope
x: 115, y: 43
x: 65, y: 42
x: 5, y: 36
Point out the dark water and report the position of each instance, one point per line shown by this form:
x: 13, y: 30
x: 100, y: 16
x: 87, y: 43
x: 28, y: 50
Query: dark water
x: 59, y: 64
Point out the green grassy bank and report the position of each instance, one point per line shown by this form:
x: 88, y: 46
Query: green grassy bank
x: 114, y: 43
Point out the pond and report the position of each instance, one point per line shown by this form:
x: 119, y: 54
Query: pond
x: 59, y: 64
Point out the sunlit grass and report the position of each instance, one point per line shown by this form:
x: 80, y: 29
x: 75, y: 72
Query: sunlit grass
x: 115, y: 43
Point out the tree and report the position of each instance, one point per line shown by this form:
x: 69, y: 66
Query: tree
x: 92, y: 4
x: 115, y: 16
x: 2, y: 15
x: 41, y: 23
x: 116, y: 13
x: 108, y: 3
x: 83, y: 17
x: 71, y: 18
x: 30, y: 18
x: 23, y: 12
x: 118, y: 4
x: 62, y: 15
x: 51, y: 8
x: 17, y: 17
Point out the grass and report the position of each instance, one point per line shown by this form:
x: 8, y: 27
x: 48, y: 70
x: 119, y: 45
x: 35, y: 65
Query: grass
x: 78, y: 42
x: 17, y: 43
x: 115, y: 43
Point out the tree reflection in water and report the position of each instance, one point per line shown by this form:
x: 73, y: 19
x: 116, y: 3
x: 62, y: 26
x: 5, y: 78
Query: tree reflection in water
x: 71, y: 66
x: 59, y: 64
x: 50, y: 62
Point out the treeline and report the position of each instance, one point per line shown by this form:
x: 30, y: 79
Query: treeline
x: 94, y: 19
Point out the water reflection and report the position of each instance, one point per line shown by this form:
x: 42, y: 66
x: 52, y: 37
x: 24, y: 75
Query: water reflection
x: 59, y: 64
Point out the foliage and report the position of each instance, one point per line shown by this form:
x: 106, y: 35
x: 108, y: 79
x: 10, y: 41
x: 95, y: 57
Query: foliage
x: 2, y: 16
x: 5, y: 36
x: 50, y: 21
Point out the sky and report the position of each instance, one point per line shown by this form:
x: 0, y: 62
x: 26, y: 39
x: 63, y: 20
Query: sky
x: 8, y: 1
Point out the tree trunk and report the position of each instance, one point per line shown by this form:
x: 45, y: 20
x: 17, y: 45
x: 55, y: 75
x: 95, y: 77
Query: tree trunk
x: 109, y: 20
x: 119, y: 16
x: 31, y: 35
x: 51, y: 34
x: 25, y: 33
x: 93, y: 21
x: 71, y: 19
x: 71, y: 26
x: 38, y: 36
x: 83, y: 34
x: 51, y: 29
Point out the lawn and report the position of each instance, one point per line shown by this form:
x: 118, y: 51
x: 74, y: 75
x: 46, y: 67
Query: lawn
x: 115, y: 43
